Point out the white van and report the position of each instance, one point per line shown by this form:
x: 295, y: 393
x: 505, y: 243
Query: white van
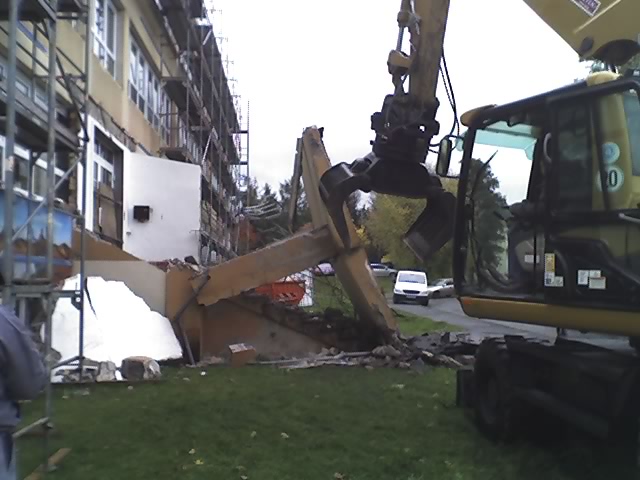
x: 411, y: 285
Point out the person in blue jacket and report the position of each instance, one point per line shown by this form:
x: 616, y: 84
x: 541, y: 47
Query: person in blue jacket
x: 23, y: 375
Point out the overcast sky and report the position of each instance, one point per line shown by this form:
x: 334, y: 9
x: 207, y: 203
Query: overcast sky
x: 303, y: 63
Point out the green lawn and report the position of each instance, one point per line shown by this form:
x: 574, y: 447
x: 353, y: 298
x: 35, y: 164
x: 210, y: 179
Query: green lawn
x: 330, y: 294
x: 262, y: 423
x: 267, y: 424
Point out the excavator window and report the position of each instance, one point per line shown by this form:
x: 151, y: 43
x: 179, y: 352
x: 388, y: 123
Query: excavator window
x: 505, y: 192
x: 632, y: 112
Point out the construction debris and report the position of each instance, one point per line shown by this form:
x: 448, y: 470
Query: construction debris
x: 189, y: 263
x: 416, y: 354
x: 107, y: 372
x: 241, y: 354
x: 140, y: 368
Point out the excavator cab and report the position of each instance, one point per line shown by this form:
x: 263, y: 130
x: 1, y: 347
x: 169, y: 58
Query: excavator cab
x: 548, y: 208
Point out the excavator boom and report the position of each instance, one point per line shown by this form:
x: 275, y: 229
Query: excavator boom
x: 604, y: 30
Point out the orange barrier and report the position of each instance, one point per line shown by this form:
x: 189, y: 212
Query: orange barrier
x: 288, y: 292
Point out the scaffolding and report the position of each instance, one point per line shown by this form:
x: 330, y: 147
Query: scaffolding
x: 205, y: 123
x: 38, y: 235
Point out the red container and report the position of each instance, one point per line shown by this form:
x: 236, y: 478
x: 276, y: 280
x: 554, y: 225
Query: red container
x: 288, y: 292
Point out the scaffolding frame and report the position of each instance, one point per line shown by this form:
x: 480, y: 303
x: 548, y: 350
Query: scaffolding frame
x: 22, y: 126
x: 208, y: 111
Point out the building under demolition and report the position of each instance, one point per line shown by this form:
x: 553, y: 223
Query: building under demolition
x: 165, y: 141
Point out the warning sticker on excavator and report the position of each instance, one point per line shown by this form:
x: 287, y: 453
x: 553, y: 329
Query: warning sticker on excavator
x: 610, y: 152
x: 614, y: 179
x: 585, y: 275
x: 550, y: 263
x: 590, y: 7
x: 599, y: 283
x: 550, y: 278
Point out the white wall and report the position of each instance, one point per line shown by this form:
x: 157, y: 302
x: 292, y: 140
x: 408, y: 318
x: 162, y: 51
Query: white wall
x: 143, y: 279
x: 172, y: 190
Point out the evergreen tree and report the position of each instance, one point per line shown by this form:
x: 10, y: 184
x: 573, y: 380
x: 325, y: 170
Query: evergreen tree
x: 488, y: 205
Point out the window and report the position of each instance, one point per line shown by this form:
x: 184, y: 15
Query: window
x: 23, y: 87
x: 165, y: 117
x: 573, y: 160
x: 38, y: 176
x: 137, y: 77
x: 182, y: 128
x: 153, y: 103
x: 632, y: 113
x: 144, y: 87
x: 104, y: 162
x: 133, y: 72
x: 104, y: 31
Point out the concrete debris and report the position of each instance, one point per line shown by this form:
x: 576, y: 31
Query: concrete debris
x: 73, y: 376
x: 210, y: 361
x: 416, y: 354
x: 452, y: 344
x: 140, y: 368
x: 240, y: 354
x: 107, y: 372
x: 384, y: 351
x: 189, y: 263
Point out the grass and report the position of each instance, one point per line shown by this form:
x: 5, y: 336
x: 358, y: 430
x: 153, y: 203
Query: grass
x: 262, y: 423
x: 411, y: 325
x: 330, y: 294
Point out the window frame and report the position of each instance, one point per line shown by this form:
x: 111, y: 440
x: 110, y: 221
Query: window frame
x: 104, y: 34
x: 102, y: 163
x: 145, y: 89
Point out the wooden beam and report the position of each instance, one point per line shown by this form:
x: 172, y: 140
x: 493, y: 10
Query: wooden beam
x: 54, y: 460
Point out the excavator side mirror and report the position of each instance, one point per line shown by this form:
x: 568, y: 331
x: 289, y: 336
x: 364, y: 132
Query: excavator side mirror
x: 444, y: 157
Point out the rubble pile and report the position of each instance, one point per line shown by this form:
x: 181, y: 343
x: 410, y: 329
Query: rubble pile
x: 453, y: 350
x: 132, y: 369
x: 118, y: 325
x: 416, y: 353
x: 188, y: 263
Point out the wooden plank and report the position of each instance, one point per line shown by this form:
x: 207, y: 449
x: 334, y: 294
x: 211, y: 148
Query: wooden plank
x: 54, y: 460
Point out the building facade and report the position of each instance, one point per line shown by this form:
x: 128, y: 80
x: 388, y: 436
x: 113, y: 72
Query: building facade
x: 164, y: 136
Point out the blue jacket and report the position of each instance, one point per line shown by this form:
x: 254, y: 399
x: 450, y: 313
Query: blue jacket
x: 23, y: 374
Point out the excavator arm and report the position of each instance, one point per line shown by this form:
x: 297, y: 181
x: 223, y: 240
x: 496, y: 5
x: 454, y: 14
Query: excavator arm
x: 403, y: 130
x: 406, y: 124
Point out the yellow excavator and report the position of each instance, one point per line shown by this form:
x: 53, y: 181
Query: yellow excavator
x: 570, y: 255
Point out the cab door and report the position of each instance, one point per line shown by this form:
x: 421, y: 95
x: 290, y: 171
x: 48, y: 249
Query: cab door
x: 592, y: 224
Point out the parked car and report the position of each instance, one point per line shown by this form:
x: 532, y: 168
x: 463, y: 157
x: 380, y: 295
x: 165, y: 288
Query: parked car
x: 412, y: 286
x: 442, y: 288
x: 381, y: 270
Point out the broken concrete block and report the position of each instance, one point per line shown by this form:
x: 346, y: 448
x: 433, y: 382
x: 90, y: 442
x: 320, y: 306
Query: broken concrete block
x: 140, y: 368
x: 212, y: 360
x: 241, y: 354
x: 107, y: 372
x: 386, y: 351
x: 73, y: 375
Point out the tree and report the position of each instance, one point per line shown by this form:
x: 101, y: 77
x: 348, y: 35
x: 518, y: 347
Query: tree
x: 390, y: 218
x: 488, y: 205
x: 633, y: 64
x: 303, y: 213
